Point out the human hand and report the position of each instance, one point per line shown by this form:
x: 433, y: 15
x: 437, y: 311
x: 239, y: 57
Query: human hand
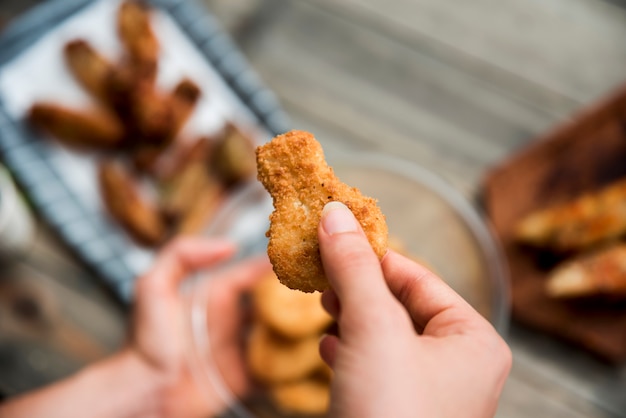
x: 159, y: 337
x: 408, y: 345
x: 151, y: 377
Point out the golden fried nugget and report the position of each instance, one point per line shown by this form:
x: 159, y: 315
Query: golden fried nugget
x: 289, y: 312
x: 135, y: 31
x: 122, y: 197
x: 86, y: 129
x: 324, y: 372
x: 89, y: 68
x: 293, y: 170
x: 588, y: 220
x: 273, y: 359
x: 308, y: 397
x: 602, y: 272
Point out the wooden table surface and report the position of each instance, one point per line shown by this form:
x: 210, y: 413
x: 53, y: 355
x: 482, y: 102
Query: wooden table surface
x: 453, y: 86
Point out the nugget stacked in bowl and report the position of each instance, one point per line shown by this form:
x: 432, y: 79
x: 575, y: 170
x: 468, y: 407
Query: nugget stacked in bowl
x: 282, y: 348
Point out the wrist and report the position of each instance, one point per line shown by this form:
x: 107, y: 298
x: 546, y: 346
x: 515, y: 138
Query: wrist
x: 126, y: 383
x: 123, y: 385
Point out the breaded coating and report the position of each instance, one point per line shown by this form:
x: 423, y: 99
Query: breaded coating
x: 293, y: 170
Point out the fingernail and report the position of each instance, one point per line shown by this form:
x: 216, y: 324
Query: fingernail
x: 337, y: 218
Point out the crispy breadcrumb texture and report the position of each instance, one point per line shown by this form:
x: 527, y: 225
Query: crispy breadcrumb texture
x: 294, y: 171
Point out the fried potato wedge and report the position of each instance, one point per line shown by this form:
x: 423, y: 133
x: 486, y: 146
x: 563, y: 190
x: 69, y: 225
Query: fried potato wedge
x: 135, y: 31
x: 120, y: 85
x: 600, y: 273
x: 181, y: 153
x: 182, y: 100
x: 293, y: 170
x: 140, y: 125
x: 122, y: 197
x: 91, y: 129
x: 189, y: 176
x: 589, y: 220
x: 234, y: 157
x: 89, y: 68
x: 195, y: 198
x: 191, y: 194
x: 156, y: 121
x: 201, y: 211
x: 151, y: 119
x: 185, y: 189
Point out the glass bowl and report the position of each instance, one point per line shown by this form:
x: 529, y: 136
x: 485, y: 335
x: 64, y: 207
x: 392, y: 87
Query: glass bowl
x: 432, y: 221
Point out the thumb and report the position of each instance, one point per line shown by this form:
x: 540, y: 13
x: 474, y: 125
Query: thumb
x: 351, y: 266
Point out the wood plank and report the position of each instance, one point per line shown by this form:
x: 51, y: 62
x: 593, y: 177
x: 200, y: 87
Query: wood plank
x: 563, y: 374
x: 379, y: 94
x: 522, y: 400
x: 496, y: 77
x: 55, y: 317
x: 574, y: 48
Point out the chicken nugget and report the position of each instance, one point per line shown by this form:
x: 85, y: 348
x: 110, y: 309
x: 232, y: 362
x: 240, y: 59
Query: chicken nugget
x: 308, y: 397
x: 183, y: 100
x: 291, y: 313
x: 151, y: 117
x: 273, y: 359
x: 293, y: 170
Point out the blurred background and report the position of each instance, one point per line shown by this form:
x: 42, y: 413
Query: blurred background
x: 457, y: 87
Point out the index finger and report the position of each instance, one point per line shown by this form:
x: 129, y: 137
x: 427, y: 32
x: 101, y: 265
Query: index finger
x: 351, y: 265
x: 435, y: 308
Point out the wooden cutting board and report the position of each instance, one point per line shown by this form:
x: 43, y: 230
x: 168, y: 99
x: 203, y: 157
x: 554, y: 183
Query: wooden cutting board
x: 582, y: 155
